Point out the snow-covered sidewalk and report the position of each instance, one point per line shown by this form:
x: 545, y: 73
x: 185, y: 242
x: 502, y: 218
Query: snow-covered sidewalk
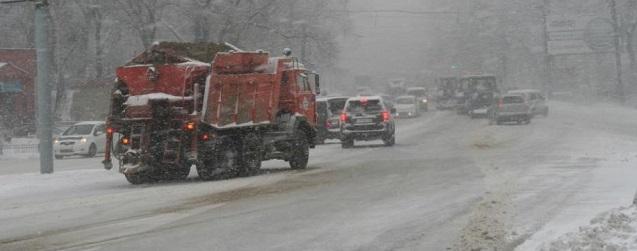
x: 613, y: 230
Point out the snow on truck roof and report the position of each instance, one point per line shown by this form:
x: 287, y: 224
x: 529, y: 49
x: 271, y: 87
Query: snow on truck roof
x: 141, y: 100
x: 176, y: 53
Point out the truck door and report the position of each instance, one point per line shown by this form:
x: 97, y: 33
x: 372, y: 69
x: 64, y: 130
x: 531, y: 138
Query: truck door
x: 306, y: 99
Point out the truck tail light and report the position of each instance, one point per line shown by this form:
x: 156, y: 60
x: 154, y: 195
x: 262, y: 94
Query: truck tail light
x: 190, y: 126
x: 386, y: 116
x: 344, y: 117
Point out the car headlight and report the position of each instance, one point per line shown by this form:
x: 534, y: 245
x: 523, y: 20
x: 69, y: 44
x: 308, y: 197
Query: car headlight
x: 83, y: 140
x: 425, y: 100
x: 56, y: 141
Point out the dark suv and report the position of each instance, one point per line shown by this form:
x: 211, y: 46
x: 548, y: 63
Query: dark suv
x: 367, y: 118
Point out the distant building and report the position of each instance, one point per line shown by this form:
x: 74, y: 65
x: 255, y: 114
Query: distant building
x: 17, y: 90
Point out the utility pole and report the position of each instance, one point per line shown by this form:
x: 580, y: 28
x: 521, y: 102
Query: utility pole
x: 43, y: 84
x: 618, y: 57
x: 547, y: 85
x: 44, y: 88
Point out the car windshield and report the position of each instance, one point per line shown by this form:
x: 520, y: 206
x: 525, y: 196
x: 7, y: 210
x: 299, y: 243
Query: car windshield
x: 405, y: 101
x: 337, y: 105
x: 78, y: 130
x: 512, y: 100
x: 370, y: 106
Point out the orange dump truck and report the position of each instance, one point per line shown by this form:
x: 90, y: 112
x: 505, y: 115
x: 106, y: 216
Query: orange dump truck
x: 171, y: 111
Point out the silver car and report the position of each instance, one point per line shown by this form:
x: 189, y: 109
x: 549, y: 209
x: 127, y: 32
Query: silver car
x: 510, y: 108
x: 535, y: 100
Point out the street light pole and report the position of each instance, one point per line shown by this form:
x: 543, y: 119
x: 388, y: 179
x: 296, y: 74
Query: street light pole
x: 618, y: 56
x: 548, y: 85
x: 43, y: 88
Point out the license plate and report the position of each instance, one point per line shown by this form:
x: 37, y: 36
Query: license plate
x: 364, y: 121
x: 66, y: 150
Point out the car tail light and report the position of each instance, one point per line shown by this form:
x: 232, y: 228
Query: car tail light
x: 110, y: 130
x: 205, y: 137
x: 344, y: 117
x: 386, y: 116
x: 500, y: 104
x: 190, y: 126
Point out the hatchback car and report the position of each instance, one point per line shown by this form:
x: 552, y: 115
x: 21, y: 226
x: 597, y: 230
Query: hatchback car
x: 367, y: 118
x: 84, y: 138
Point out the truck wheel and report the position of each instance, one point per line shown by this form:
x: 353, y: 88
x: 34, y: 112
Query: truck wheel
x: 181, y: 173
x: 300, y: 151
x: 136, y: 179
x: 251, y: 153
x: 222, y: 164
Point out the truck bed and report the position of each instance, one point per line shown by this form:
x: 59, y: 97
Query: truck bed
x: 239, y: 96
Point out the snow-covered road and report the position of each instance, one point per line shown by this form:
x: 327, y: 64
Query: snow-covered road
x: 450, y: 182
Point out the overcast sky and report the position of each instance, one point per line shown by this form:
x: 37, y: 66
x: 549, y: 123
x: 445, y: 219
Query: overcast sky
x: 391, y: 44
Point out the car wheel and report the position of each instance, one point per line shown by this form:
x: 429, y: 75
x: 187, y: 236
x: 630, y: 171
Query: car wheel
x: 59, y: 157
x: 390, y: 141
x: 92, y: 150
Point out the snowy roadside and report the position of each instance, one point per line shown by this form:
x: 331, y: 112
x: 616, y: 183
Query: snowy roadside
x: 612, y: 230
x: 603, y: 156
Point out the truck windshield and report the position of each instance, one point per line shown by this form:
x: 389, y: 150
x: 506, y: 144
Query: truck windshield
x: 79, y: 130
x: 369, y: 106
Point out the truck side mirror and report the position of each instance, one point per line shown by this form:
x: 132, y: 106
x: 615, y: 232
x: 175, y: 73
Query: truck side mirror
x: 317, y: 84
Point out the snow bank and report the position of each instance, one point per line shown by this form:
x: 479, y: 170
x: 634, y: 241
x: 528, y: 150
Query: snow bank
x: 612, y: 230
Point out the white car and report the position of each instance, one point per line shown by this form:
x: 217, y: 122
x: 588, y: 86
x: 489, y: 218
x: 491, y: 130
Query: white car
x: 84, y: 138
x: 407, y: 107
